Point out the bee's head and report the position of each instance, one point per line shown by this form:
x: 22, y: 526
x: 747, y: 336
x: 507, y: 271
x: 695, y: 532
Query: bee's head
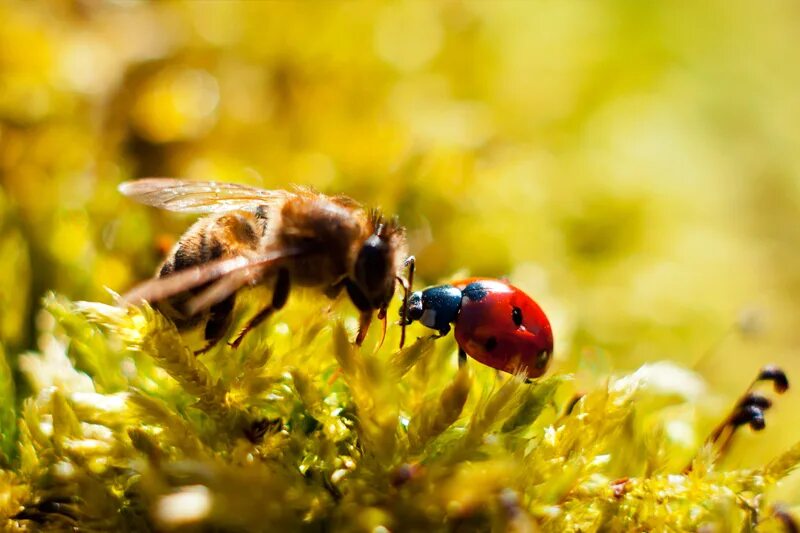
x: 374, y: 272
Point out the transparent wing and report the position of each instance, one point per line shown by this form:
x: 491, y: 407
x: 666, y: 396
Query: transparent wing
x: 224, y: 287
x: 239, y: 269
x: 199, y: 196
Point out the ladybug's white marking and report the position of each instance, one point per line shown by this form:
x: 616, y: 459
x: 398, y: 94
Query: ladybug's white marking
x: 428, y: 318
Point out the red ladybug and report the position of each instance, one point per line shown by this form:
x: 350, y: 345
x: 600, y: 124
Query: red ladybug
x: 495, y: 323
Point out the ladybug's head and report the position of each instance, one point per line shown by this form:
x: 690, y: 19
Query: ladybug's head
x: 413, y: 309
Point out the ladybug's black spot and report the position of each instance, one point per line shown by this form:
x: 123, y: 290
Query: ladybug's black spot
x: 542, y: 360
x: 475, y: 291
x: 516, y: 316
x: 491, y: 344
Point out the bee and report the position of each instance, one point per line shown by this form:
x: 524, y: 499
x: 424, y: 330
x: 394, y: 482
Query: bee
x: 252, y: 236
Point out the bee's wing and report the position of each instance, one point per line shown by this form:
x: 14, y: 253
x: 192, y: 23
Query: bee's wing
x: 224, y: 287
x: 199, y: 196
x: 244, y: 268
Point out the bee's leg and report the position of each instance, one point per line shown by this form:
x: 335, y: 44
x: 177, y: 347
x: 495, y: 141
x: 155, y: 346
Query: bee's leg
x: 364, y: 320
x: 361, y: 302
x: 408, y: 286
x: 219, y: 320
x: 462, y: 357
x: 280, y: 294
x: 335, y: 288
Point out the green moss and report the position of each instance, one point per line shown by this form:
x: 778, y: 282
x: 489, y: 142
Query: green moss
x: 128, y: 430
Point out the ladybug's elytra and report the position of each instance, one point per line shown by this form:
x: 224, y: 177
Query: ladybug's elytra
x: 495, y: 323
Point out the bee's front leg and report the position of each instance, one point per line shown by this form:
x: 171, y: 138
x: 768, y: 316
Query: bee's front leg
x: 364, y: 320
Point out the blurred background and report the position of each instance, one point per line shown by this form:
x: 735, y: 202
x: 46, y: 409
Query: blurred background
x: 634, y: 166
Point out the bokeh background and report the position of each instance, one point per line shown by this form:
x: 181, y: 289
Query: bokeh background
x: 635, y: 166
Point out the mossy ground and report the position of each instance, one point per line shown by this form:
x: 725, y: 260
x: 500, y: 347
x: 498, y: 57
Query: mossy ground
x: 633, y: 166
x: 298, y: 430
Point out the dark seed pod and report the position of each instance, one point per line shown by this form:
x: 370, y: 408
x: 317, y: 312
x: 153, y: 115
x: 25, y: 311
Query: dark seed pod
x: 757, y: 423
x: 258, y: 428
x: 405, y: 473
x: 748, y: 414
x: 748, y: 410
x: 573, y: 402
x: 777, y: 376
x: 790, y: 525
x: 41, y: 512
x: 757, y: 400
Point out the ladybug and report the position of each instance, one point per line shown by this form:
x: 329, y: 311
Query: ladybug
x: 495, y: 323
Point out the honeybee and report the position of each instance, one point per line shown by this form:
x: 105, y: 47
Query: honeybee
x: 251, y: 236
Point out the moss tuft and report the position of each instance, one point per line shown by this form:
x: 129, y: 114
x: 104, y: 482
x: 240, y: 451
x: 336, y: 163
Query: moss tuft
x: 299, y: 430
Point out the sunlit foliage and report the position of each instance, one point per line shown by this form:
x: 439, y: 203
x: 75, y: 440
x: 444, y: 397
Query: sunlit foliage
x: 299, y: 430
x: 632, y: 165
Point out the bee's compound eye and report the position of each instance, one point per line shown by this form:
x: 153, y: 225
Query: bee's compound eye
x: 372, y: 268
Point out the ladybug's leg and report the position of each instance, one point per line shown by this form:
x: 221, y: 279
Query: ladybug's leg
x: 462, y: 357
x: 279, y: 296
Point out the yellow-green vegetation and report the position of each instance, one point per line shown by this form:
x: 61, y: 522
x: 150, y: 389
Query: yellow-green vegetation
x: 633, y: 166
x: 298, y: 430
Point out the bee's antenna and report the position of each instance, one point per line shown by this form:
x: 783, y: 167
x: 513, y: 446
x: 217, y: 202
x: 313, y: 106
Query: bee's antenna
x: 408, y: 285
